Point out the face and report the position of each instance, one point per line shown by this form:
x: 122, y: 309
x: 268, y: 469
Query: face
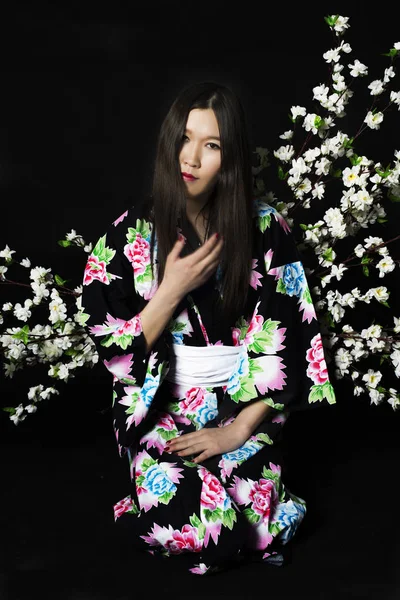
x: 200, y: 154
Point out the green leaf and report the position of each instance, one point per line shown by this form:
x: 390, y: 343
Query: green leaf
x: 194, y: 520
x: 263, y: 437
x: 316, y: 394
x: 148, y: 462
x: 393, y: 197
x: 166, y: 497
x: 201, y: 531
x: 59, y: 280
x: 272, y: 404
x: 366, y: 260
x: 229, y: 518
x: 281, y: 174
x: 303, y: 226
x: 251, y: 516
x: 9, y: 409
x: 64, y: 243
x: 139, y: 480
x: 23, y: 334
x: 328, y: 392
x: 385, y: 303
x: 365, y: 270
x: 281, y: 287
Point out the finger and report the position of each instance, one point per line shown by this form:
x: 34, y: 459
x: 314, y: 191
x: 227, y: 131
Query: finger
x: 177, y: 248
x: 190, y: 450
x: 213, y: 244
x: 203, y: 456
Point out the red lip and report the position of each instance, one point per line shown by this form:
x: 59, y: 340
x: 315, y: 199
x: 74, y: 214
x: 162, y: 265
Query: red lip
x: 188, y: 176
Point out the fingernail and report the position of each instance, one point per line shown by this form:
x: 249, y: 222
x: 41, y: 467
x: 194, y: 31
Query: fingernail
x: 217, y: 235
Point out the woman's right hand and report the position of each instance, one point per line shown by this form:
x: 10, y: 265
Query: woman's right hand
x: 182, y: 275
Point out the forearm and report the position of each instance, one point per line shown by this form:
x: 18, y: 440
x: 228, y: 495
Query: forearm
x: 251, y: 416
x: 157, y: 314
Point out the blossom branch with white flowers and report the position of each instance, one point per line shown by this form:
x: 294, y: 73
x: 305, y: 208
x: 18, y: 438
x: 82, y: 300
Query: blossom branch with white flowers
x: 327, y: 157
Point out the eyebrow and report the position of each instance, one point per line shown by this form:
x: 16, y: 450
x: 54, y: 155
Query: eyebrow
x: 208, y: 137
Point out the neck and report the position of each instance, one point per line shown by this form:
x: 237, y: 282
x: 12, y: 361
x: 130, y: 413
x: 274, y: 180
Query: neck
x: 195, y: 205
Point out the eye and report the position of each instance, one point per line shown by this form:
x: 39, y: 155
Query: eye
x: 216, y: 147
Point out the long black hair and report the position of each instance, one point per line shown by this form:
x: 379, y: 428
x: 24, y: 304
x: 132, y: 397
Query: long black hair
x: 231, y: 202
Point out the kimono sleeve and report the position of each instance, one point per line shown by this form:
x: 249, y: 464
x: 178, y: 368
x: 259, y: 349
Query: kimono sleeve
x: 286, y: 359
x: 116, y: 286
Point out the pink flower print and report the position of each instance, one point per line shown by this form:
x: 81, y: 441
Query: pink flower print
x: 236, y: 336
x: 138, y: 253
x: 255, y: 276
x: 132, y: 327
x: 123, y: 506
x: 194, y: 398
x: 120, y: 366
x: 120, y: 219
x: 262, y: 496
x: 317, y: 370
x: 255, y: 326
x: 95, y: 269
x: 212, y: 492
x: 184, y: 541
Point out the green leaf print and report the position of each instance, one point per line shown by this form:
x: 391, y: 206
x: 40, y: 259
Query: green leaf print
x: 165, y: 434
x: 201, y: 531
x: 229, y: 518
x: 146, y: 276
x: 264, y: 437
x: 274, y: 528
x: 316, y: 394
x: 173, y: 407
x: 115, y: 395
x: 143, y: 228
x: 213, y: 515
x: 176, y: 326
x: 189, y: 463
x: 148, y: 462
x: 264, y: 222
x: 194, y: 520
x: 247, y: 391
x: 281, y: 287
x: 166, y: 497
x: 307, y: 295
x: 273, y: 404
x: 123, y: 341
x: 131, y: 235
x: 102, y: 252
x: 328, y: 392
x: 134, y: 398
x: 251, y: 516
x: 139, y: 480
x: 271, y: 476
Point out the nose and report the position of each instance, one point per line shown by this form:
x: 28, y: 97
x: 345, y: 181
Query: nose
x: 191, y: 155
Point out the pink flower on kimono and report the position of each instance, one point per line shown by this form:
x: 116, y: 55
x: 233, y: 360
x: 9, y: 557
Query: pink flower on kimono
x: 262, y: 495
x: 123, y: 506
x: 118, y: 327
x: 255, y: 276
x: 120, y: 366
x: 121, y: 218
x: 184, y: 541
x: 95, y: 269
x: 138, y: 253
x: 256, y: 325
x: 194, y: 398
x: 317, y: 370
x: 212, y: 492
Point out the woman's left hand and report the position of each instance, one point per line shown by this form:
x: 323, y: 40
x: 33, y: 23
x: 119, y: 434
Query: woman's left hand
x: 208, y: 442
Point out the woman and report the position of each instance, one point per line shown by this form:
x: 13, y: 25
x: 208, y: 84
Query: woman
x: 199, y: 306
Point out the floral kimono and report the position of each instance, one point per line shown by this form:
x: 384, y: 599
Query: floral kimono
x: 235, y: 504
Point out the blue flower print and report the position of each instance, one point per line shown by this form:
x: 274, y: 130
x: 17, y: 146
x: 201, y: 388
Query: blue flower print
x: 294, y: 279
x: 177, y: 337
x: 208, y: 411
x: 157, y: 482
x: 240, y: 371
x: 149, y: 388
x: 243, y: 453
x: 289, y: 515
x: 263, y: 209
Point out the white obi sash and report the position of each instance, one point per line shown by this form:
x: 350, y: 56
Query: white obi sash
x: 203, y: 366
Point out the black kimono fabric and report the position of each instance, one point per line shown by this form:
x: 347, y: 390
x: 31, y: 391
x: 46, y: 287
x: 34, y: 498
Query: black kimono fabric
x: 234, y: 503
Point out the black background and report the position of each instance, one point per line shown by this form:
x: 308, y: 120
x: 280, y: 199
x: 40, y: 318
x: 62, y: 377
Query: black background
x: 84, y: 91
